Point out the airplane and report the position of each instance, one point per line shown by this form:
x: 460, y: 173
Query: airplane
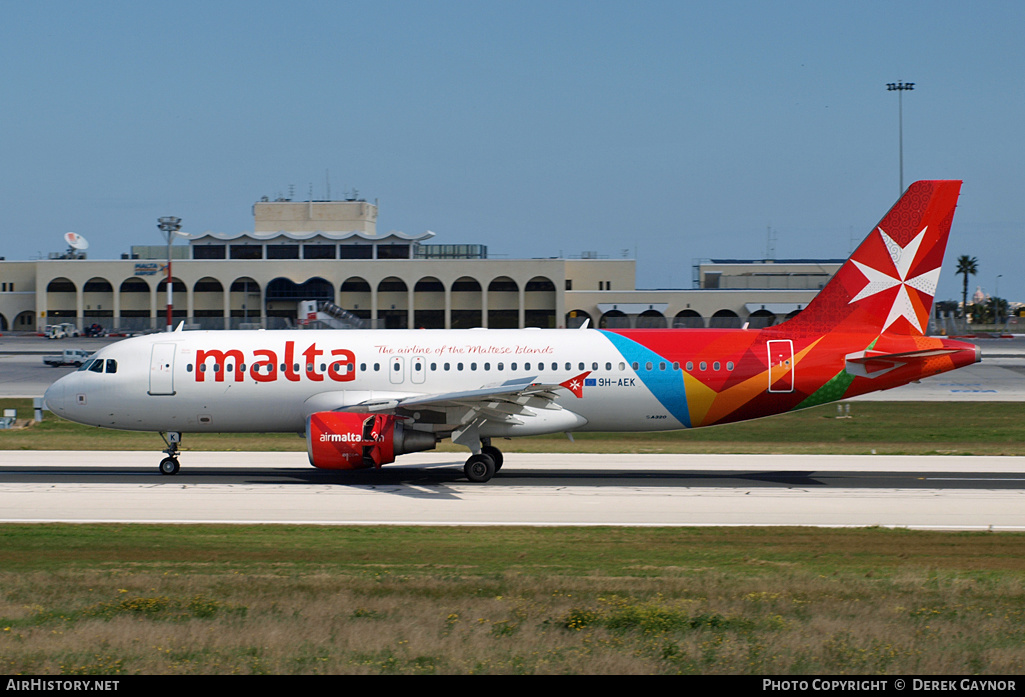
x: 364, y: 397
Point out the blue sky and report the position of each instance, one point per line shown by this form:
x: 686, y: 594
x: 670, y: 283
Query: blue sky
x: 669, y: 131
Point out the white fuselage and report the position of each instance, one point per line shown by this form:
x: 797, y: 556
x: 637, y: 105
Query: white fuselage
x: 266, y: 381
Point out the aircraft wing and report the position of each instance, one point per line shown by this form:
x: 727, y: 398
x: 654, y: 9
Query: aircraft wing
x: 514, y: 392
x: 465, y: 413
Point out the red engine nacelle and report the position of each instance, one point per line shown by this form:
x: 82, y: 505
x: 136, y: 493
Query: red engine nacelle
x: 345, y: 441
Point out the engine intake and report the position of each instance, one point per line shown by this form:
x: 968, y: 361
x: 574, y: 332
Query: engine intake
x: 346, y: 441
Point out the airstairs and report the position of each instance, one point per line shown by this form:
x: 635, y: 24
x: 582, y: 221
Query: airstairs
x: 324, y: 314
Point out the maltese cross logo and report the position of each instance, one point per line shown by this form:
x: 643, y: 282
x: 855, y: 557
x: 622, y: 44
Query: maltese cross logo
x: 909, y: 301
x: 576, y: 385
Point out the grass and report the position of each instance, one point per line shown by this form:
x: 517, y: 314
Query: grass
x: 892, y: 428
x: 144, y: 599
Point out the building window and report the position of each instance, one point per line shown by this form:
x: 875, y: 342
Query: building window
x: 355, y: 251
x: 246, y: 251
x: 208, y: 251
x: 282, y: 251
x: 393, y: 251
x: 319, y: 251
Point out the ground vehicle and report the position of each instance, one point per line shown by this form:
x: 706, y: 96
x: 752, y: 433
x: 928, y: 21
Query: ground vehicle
x: 61, y: 331
x: 75, y: 357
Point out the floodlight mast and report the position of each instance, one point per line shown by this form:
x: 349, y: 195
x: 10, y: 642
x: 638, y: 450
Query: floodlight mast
x: 169, y: 225
x: 900, y: 87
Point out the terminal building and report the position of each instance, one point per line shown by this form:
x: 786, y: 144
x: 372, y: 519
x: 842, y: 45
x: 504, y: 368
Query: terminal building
x: 330, y: 253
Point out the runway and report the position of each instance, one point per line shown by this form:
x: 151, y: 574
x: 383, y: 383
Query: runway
x: 922, y: 492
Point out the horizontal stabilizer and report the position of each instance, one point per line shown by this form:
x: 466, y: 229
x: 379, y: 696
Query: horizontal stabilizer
x: 872, y: 364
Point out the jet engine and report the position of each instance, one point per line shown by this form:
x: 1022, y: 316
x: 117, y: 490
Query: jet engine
x: 346, y: 441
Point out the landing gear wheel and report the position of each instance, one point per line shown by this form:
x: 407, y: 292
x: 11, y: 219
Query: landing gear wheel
x: 495, y: 454
x: 169, y: 465
x: 479, y: 468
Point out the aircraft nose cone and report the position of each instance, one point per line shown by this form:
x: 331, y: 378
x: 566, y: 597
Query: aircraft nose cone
x: 54, y: 397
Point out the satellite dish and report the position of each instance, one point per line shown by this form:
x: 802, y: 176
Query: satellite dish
x: 76, y: 241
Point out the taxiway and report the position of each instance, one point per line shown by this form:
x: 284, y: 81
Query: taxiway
x: 924, y: 492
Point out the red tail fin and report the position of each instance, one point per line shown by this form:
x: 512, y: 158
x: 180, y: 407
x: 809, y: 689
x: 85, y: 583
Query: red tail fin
x: 889, y: 282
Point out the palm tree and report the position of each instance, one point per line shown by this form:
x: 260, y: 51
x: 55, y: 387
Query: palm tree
x: 966, y: 266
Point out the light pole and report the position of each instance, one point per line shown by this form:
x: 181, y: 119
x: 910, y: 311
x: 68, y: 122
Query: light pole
x: 996, y: 300
x: 170, y: 226
x: 899, y: 87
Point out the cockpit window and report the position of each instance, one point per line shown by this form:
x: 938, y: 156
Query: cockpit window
x: 97, y: 366
x: 87, y: 365
x: 111, y: 365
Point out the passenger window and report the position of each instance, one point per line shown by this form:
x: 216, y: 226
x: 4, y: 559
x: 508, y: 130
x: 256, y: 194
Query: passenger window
x: 448, y: 366
x: 500, y: 366
x: 662, y: 365
x: 729, y: 365
x: 716, y: 365
x: 635, y: 365
x: 647, y: 366
x: 703, y: 365
x: 690, y: 365
x: 487, y: 366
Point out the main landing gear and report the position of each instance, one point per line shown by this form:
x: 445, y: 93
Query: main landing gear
x: 481, y: 466
x: 169, y: 465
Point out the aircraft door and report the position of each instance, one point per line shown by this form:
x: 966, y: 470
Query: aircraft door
x: 396, y: 370
x: 418, y: 369
x: 781, y: 365
x: 161, y: 369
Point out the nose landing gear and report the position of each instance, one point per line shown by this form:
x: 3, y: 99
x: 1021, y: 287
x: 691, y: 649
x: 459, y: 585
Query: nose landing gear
x: 169, y: 465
